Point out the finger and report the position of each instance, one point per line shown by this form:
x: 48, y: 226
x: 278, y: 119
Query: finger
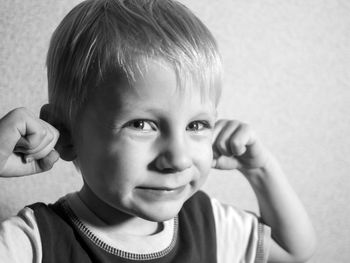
x: 51, y: 136
x: 48, y: 161
x: 32, y: 130
x: 217, y: 128
x: 33, y: 144
x: 242, y: 137
x: 15, y: 126
x: 221, y: 143
x: 225, y: 163
x: 48, y: 145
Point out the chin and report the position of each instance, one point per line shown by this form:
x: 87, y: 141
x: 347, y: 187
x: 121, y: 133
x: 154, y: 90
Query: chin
x: 160, y: 213
x: 158, y: 206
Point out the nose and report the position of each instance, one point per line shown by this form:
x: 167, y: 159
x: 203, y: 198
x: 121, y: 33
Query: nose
x: 175, y: 155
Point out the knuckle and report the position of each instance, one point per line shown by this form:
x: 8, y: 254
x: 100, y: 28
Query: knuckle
x: 232, y: 125
x: 56, y: 133
x: 20, y: 112
x: 233, y: 122
x: 220, y: 123
x: 17, y: 114
x: 50, y: 133
x: 42, y: 133
x: 245, y: 126
x: 226, y: 122
x: 235, y: 143
x: 236, y: 146
x: 52, y: 129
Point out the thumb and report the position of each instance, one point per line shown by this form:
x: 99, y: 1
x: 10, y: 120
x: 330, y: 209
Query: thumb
x: 225, y: 163
x: 48, y: 161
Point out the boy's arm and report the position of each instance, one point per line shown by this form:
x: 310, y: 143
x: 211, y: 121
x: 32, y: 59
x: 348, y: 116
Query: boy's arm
x: 26, y: 144
x: 236, y: 147
x: 292, y: 232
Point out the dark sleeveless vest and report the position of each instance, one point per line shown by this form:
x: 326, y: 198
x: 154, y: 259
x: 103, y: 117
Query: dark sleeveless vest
x: 65, y: 241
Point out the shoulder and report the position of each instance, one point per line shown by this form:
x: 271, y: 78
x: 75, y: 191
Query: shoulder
x: 241, y: 236
x: 202, y: 203
x: 20, y: 239
x: 43, y: 211
x: 239, y: 218
x: 237, y: 235
x: 54, y: 223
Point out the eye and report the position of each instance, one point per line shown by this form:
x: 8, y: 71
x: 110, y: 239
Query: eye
x: 198, y: 126
x: 142, y: 125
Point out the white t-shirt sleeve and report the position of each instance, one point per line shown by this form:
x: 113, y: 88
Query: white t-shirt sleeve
x: 20, y: 239
x: 240, y: 236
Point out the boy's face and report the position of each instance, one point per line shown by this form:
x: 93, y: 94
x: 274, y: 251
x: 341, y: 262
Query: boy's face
x: 144, y: 150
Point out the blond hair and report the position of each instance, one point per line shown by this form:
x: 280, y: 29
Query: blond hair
x: 101, y: 36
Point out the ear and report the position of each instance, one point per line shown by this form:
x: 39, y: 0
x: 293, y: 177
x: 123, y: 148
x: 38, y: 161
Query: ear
x: 64, y: 145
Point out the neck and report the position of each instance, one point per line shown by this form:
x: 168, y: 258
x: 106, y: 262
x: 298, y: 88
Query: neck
x: 118, y: 221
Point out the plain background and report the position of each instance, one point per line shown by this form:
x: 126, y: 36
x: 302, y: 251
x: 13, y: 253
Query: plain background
x: 286, y: 73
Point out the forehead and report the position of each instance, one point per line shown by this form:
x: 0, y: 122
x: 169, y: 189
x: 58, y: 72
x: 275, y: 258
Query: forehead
x: 157, y: 82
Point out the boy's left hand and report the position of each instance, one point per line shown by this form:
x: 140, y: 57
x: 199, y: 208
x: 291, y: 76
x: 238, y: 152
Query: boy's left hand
x: 235, y: 146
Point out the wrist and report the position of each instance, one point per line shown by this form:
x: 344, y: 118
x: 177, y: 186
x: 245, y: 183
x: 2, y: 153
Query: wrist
x: 269, y: 171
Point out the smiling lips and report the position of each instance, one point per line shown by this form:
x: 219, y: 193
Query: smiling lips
x: 157, y: 191
x: 162, y: 189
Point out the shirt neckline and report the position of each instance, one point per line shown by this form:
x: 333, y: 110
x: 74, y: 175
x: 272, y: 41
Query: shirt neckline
x: 127, y: 248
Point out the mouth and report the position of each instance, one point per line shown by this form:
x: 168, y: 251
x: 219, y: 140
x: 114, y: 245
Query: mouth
x: 160, y: 188
x: 162, y: 191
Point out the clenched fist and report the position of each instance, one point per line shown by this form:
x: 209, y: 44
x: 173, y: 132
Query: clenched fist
x: 26, y: 144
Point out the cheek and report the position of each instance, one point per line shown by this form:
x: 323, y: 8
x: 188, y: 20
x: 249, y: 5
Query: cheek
x: 129, y: 152
x: 126, y: 159
x: 115, y: 171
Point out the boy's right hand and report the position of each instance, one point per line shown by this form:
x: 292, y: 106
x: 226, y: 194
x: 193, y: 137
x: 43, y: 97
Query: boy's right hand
x: 26, y: 144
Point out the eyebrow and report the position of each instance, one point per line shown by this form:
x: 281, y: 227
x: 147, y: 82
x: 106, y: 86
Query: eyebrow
x: 202, y: 114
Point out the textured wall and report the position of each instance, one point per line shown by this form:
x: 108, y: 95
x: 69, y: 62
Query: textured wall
x: 286, y: 72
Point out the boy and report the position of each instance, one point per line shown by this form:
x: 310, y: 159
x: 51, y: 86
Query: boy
x: 133, y: 89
